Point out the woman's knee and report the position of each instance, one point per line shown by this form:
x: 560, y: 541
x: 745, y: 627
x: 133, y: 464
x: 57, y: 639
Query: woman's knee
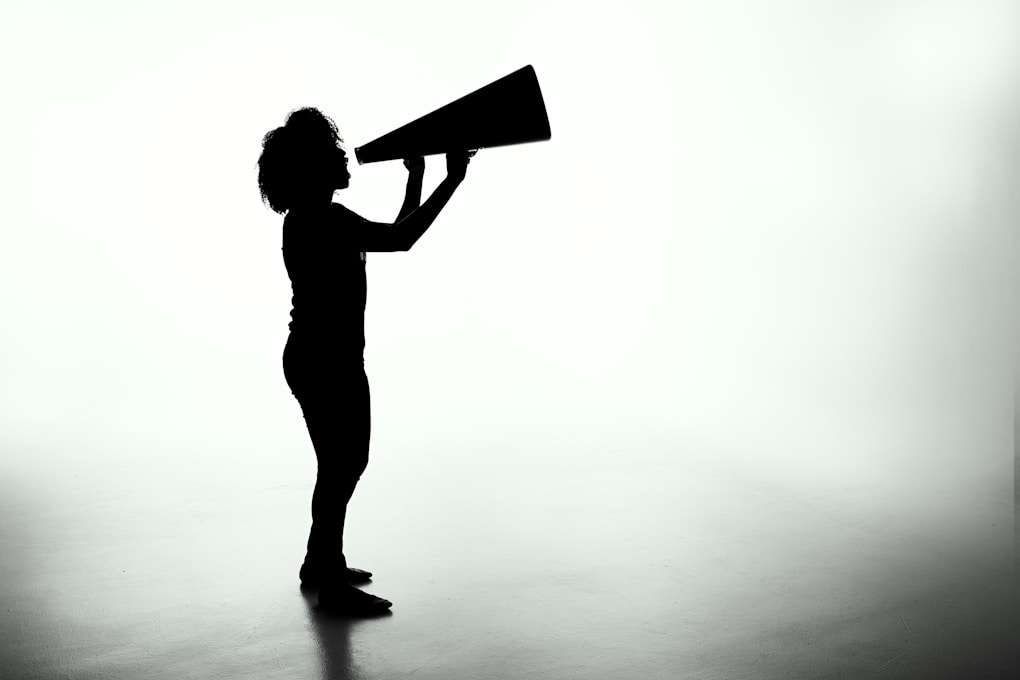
x: 345, y: 465
x: 361, y: 464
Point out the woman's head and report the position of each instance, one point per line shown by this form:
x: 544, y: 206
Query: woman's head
x: 302, y: 161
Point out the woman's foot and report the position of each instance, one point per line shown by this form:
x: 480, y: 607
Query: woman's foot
x: 343, y: 598
x: 355, y: 575
x: 312, y: 577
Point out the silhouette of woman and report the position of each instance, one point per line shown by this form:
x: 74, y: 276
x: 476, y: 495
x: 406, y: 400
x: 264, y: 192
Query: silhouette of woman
x: 301, y: 165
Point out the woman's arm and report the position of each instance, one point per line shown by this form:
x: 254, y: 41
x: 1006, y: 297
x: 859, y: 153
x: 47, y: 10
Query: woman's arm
x: 362, y: 234
x: 412, y: 194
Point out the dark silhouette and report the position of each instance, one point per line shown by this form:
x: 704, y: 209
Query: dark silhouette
x: 324, y: 244
x: 507, y: 111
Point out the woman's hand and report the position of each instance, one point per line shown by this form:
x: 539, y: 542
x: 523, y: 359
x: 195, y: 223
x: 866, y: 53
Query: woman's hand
x: 457, y: 162
x: 415, y: 164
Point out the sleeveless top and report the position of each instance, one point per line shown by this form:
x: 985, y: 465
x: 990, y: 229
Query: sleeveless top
x: 328, y: 282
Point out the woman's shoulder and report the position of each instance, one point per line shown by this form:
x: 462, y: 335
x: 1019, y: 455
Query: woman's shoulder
x: 342, y: 212
x: 303, y: 220
x: 330, y: 213
x: 303, y: 214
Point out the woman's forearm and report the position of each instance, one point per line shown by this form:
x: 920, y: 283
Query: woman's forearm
x: 412, y: 195
x: 418, y: 221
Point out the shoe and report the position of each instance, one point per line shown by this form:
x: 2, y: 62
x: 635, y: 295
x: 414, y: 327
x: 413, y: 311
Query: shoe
x: 313, y: 577
x: 343, y: 598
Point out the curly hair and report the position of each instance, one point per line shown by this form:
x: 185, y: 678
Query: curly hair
x: 297, y: 157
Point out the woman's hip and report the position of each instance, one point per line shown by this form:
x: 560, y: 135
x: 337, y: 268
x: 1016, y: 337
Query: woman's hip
x: 307, y: 364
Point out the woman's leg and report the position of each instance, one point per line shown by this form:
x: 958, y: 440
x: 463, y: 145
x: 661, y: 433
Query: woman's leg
x: 337, y: 412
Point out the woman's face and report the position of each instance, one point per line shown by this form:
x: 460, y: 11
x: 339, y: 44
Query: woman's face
x: 343, y: 176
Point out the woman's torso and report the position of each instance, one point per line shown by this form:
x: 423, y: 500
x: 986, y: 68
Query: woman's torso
x: 328, y: 285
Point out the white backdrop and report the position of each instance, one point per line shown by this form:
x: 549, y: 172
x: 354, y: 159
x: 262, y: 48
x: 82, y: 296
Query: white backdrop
x: 778, y: 235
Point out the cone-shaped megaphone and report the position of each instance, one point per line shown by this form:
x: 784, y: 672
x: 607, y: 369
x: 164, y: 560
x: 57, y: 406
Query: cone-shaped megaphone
x: 507, y: 111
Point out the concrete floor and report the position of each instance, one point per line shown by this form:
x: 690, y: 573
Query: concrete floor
x: 653, y: 562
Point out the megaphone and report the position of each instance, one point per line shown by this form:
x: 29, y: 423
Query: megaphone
x: 504, y: 112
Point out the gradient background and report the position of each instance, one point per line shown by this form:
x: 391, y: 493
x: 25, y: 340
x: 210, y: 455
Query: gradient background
x: 766, y: 267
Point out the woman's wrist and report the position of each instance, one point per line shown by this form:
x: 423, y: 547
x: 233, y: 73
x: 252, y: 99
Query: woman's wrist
x: 415, y: 165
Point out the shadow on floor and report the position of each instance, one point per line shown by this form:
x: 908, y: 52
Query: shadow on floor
x: 333, y: 637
